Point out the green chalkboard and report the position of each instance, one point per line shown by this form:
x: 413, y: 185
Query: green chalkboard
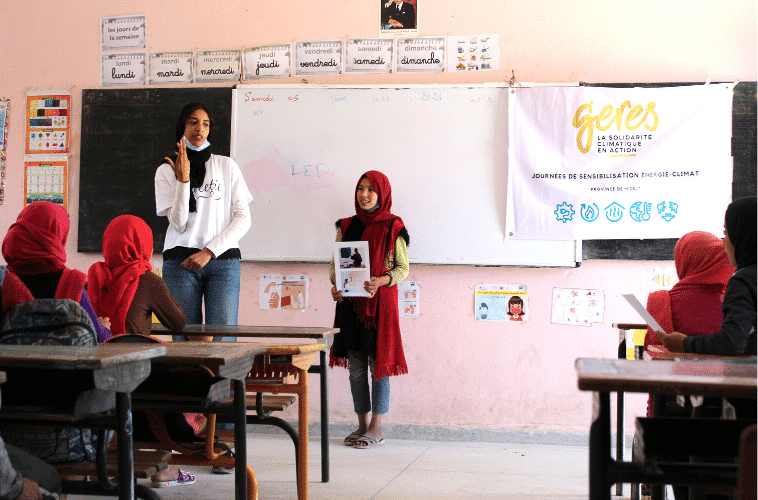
x: 125, y: 135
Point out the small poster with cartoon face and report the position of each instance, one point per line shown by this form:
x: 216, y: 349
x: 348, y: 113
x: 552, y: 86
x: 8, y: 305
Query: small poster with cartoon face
x: 501, y: 303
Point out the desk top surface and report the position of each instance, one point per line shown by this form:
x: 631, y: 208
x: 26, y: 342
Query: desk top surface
x: 306, y: 332
x: 723, y: 377
x: 76, y: 357
x: 210, y: 353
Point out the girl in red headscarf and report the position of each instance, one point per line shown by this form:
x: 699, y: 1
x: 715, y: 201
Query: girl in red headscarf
x: 370, y: 326
x: 123, y: 289
x: 35, y: 249
x: 693, y: 305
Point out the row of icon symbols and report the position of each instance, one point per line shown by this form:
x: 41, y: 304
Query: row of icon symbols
x: 640, y: 211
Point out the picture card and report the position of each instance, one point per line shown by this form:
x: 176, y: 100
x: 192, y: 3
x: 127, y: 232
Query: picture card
x: 351, y: 268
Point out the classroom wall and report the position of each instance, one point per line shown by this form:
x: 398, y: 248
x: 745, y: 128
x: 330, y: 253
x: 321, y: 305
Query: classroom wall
x: 463, y: 373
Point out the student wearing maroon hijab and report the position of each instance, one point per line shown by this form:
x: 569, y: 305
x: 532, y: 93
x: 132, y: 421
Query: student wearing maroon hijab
x: 737, y: 333
x: 35, y: 249
x: 693, y: 305
x: 369, y: 326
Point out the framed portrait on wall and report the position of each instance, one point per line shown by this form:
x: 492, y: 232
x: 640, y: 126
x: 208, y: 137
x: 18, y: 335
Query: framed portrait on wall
x: 398, y: 17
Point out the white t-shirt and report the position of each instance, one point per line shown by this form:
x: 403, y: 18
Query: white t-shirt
x: 222, y: 215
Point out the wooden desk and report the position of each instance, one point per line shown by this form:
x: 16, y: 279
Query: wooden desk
x: 231, y: 360
x: 115, y: 369
x: 721, y: 378
x: 321, y: 335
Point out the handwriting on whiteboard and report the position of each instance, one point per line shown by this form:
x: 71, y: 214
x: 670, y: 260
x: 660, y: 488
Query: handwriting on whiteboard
x: 484, y: 101
x: 317, y: 170
x: 275, y: 169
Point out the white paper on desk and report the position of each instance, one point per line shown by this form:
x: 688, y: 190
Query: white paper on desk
x: 652, y: 323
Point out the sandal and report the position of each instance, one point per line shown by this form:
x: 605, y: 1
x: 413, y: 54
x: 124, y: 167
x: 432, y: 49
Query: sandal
x: 367, y: 441
x: 183, y: 479
x: 352, y: 438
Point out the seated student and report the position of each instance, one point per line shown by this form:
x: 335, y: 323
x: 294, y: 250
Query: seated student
x: 123, y: 289
x: 35, y: 250
x: 737, y: 333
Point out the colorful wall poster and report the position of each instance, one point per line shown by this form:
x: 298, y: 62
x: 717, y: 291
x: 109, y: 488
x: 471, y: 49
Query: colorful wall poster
x: 218, y: 65
x: 473, y: 53
x: 170, y: 68
x: 577, y: 306
x: 46, y: 179
x: 501, y: 303
x: 283, y: 292
x: 271, y: 61
x: 408, y: 298
x: 420, y: 54
x: 368, y: 55
x: 125, y: 68
x: 318, y: 58
x: 123, y: 32
x: 47, y: 122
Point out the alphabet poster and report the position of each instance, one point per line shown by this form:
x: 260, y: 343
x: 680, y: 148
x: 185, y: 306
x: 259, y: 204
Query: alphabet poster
x: 618, y: 163
x: 47, y: 122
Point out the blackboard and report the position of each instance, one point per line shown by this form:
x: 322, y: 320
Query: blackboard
x: 743, y: 177
x: 302, y: 149
x: 125, y: 135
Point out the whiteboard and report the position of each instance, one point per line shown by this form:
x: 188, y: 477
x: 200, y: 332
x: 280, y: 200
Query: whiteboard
x: 302, y: 149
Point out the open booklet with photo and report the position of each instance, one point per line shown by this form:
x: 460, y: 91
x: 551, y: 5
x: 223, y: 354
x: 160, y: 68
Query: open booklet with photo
x: 351, y: 268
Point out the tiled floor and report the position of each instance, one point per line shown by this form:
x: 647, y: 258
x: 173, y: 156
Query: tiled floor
x: 405, y: 469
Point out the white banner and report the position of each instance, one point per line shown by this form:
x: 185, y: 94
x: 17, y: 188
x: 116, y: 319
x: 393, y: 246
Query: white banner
x: 271, y: 61
x: 318, y: 58
x: 123, y: 68
x: 612, y: 163
x: 170, y: 67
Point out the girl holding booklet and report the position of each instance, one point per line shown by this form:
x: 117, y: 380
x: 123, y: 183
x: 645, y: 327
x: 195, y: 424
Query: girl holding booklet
x: 370, y: 326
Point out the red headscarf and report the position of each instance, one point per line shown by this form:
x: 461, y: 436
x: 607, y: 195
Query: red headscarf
x: 127, y: 248
x: 36, y: 244
x: 703, y: 270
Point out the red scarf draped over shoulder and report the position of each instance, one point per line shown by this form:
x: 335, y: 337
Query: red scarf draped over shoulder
x: 127, y: 248
x: 381, y: 310
x: 36, y: 244
x: 703, y: 270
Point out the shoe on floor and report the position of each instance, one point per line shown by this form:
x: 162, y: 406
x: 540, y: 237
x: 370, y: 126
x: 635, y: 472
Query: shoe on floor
x: 217, y: 469
x: 367, y: 441
x: 184, y: 478
x: 352, y: 438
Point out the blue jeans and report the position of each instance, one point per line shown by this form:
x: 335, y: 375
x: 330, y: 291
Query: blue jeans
x: 378, y: 400
x: 219, y: 283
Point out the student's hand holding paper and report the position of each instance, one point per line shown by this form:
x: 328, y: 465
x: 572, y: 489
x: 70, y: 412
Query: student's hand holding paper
x: 674, y: 342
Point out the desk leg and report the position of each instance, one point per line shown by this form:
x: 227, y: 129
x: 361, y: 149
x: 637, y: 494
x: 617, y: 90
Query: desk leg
x: 125, y: 436
x: 324, y: 419
x: 240, y: 442
x: 600, y: 448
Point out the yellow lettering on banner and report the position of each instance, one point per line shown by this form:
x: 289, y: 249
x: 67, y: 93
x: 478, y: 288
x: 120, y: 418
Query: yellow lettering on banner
x: 586, y: 122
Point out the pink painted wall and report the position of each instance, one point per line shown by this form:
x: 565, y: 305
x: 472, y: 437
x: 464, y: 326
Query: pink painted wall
x: 462, y: 372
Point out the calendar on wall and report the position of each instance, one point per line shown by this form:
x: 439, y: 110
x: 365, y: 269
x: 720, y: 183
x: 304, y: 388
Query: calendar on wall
x: 45, y: 179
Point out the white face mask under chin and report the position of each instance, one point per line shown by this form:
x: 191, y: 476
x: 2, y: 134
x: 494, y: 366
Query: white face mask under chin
x: 196, y: 148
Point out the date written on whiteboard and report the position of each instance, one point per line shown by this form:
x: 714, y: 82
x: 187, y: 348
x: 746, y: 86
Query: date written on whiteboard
x: 293, y: 98
x: 381, y: 98
x: 251, y: 97
x: 484, y: 101
x: 316, y: 170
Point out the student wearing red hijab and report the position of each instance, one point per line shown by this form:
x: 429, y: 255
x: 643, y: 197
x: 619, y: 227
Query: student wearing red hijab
x: 35, y: 249
x: 693, y: 305
x: 123, y: 288
x: 370, y: 326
